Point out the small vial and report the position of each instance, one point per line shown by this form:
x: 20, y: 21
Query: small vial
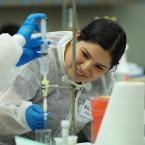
x: 65, y: 124
x: 72, y: 140
x: 58, y: 141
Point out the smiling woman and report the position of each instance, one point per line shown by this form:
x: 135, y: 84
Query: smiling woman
x: 99, y: 47
x: 91, y: 61
x: 108, y: 34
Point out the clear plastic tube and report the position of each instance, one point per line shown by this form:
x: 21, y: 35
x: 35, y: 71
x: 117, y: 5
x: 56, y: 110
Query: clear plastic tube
x: 44, y: 69
x: 65, y: 124
x: 44, y: 48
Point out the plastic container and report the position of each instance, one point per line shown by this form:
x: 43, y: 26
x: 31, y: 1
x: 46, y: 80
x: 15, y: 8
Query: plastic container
x: 98, y: 108
x: 43, y: 136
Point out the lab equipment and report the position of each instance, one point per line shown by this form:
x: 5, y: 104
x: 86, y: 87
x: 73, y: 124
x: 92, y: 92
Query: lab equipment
x: 72, y: 140
x: 74, y: 40
x: 65, y: 138
x: 65, y: 125
x: 30, y: 24
x: 123, y: 122
x: 43, y: 136
x: 58, y: 140
x: 98, y: 108
x: 30, y: 51
x: 66, y: 80
x: 34, y: 117
x: 44, y: 69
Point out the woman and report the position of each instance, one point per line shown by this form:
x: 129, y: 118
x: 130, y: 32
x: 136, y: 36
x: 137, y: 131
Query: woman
x: 99, y: 47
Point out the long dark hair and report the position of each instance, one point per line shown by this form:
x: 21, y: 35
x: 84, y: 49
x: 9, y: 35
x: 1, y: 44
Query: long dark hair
x: 108, y: 34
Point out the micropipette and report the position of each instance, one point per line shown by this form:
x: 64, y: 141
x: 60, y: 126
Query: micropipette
x: 44, y: 69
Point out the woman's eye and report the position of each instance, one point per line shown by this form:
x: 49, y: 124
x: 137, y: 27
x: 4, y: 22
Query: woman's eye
x: 99, y: 68
x: 85, y: 55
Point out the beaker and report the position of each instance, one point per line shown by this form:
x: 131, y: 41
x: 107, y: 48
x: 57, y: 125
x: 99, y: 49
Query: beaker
x: 98, y: 107
x: 43, y: 136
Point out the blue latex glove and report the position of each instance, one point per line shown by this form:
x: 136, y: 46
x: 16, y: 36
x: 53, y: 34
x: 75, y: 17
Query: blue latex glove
x: 35, y: 117
x: 31, y: 51
x: 30, y: 25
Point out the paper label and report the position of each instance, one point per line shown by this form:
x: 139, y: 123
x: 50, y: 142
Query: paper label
x: 84, y: 110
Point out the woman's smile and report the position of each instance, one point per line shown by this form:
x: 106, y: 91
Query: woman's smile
x: 80, y: 73
x: 92, y: 61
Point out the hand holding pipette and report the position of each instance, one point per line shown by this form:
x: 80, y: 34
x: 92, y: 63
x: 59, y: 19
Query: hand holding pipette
x: 34, y: 117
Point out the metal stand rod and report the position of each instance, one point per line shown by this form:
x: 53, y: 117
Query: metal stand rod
x: 64, y: 14
x: 73, y: 67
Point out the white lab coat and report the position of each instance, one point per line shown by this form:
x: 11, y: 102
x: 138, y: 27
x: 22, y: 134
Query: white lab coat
x: 26, y: 87
x: 10, y: 52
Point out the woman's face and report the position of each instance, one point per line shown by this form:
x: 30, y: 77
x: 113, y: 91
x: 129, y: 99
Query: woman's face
x: 92, y: 61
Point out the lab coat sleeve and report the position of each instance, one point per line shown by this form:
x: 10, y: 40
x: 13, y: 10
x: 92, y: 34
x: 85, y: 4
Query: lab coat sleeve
x: 16, y: 99
x: 12, y: 120
x: 10, y: 52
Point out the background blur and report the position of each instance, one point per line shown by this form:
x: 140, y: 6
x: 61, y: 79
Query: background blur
x: 129, y: 13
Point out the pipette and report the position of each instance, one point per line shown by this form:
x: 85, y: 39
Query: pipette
x: 44, y: 69
x: 44, y: 48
